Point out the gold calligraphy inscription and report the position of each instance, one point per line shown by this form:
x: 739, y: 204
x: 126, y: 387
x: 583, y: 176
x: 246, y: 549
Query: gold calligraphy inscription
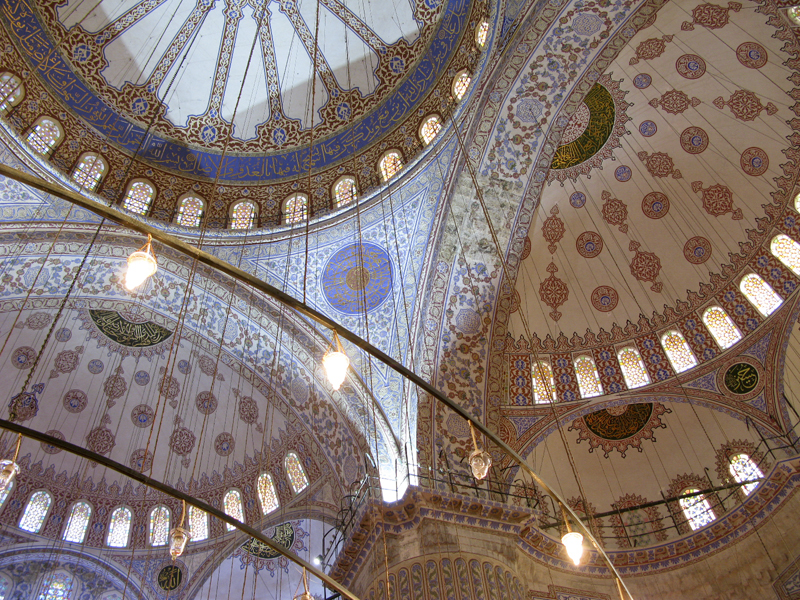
x: 741, y: 378
x: 170, y: 578
x: 127, y: 333
x: 283, y: 536
x: 615, y: 425
x: 601, y: 123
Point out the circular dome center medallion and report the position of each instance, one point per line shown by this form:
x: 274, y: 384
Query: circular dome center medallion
x: 356, y: 277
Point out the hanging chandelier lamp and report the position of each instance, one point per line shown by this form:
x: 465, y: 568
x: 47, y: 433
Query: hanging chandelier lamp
x: 179, y: 537
x: 9, y: 469
x: 336, y: 363
x: 306, y: 595
x: 141, y: 265
x: 479, y: 460
x: 572, y: 540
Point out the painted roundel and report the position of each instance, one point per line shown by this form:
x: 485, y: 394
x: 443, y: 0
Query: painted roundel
x: 577, y: 199
x: 605, y: 298
x: 357, y: 275
x: 697, y: 250
x: 655, y: 205
x: 589, y: 244
x: 694, y: 140
x: 642, y: 81
x: 648, y: 128
x: 754, y: 161
x: 690, y: 66
x: 623, y: 173
x: 752, y: 55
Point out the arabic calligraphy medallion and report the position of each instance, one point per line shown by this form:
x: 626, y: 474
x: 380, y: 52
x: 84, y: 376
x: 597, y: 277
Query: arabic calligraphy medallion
x: 741, y: 378
x: 357, y: 276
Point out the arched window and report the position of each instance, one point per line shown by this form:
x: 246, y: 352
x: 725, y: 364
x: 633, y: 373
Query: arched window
x: 78, y: 523
x: 89, y: 171
x: 57, y: 586
x: 295, y: 209
x: 787, y: 251
x: 721, y: 327
x: 267, y: 493
x: 760, y: 294
x: 233, y: 507
x: 632, y: 367
x: 588, y: 379
x: 542, y: 376
x: 430, y: 128
x: 390, y: 164
x: 460, y: 84
x: 295, y: 472
x: 345, y: 191
x: 45, y: 135
x: 139, y: 196
x: 696, y: 508
x: 159, y: 526
x: 744, y: 469
x: 678, y: 351
x: 35, y: 512
x: 198, y: 524
x: 119, y: 527
x: 11, y: 91
x: 482, y: 34
x: 243, y: 215
x: 190, y: 211
x: 5, y: 494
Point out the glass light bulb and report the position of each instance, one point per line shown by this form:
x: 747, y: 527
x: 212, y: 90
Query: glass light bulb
x: 480, y: 461
x: 304, y: 596
x: 794, y: 14
x: 574, y: 544
x: 141, y: 265
x: 178, y: 538
x: 336, y: 364
x: 8, y: 471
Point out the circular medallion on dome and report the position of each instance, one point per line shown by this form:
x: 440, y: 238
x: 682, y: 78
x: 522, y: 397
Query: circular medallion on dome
x: 741, y: 378
x: 170, y: 578
x: 356, y: 277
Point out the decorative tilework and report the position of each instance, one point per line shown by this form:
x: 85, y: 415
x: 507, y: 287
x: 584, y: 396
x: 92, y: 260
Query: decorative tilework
x: 608, y: 369
x: 739, y: 309
x: 656, y: 363
x: 564, y: 377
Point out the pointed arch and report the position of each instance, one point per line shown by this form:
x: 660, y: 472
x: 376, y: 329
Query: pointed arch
x: 45, y: 135
x: 35, y: 511
x: 390, y: 164
x: 345, y: 191
x: 295, y: 209
x: 89, y: 170
x: 232, y: 504
x: 430, y: 128
x: 78, y: 522
x: 267, y: 493
x: 57, y: 586
x: 243, y: 215
x: 190, y: 210
x: 295, y: 472
x: 119, y: 527
x: 139, y: 196
x: 544, y: 388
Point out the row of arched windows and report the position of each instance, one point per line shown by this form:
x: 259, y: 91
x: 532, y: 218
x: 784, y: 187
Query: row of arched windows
x: 757, y: 291
x: 46, y: 134
x: 696, y: 507
x: 120, y: 524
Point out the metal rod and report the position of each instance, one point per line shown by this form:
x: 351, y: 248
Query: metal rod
x: 171, y: 491
x: 116, y: 216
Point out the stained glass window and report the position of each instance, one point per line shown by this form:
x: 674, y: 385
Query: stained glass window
x: 295, y: 209
x: 190, y: 211
x: 678, y: 351
x: 5, y: 494
x: 632, y: 367
x: 198, y: 524
x: 267, y: 494
x: 797, y: 202
x: 295, y: 472
x: 78, y: 523
x: 345, y: 191
x: 243, y: 216
x: 542, y: 376
x: 44, y: 136
x: 721, y: 327
x: 696, y: 509
x: 11, y: 91
x: 58, y: 586
x: 760, y: 294
x: 482, y: 33
x: 588, y: 379
x: 159, y: 526
x: 140, y: 195
x: 89, y: 171
x: 787, y: 251
x: 744, y: 469
x: 119, y: 528
x: 460, y: 84
x: 233, y: 507
x: 35, y: 512
x: 391, y: 164
x: 430, y: 129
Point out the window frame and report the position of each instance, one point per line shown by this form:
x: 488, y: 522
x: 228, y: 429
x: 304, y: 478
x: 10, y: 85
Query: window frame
x: 14, y: 103
x: 69, y: 518
x: 479, y: 26
x: 267, y: 474
x: 427, y: 118
x: 181, y: 200
x: 383, y: 157
x: 456, y: 78
x: 575, y: 359
x: 676, y: 330
x: 50, y: 149
x: 130, y: 526
x: 233, y: 206
x: 700, y: 497
x: 296, y: 492
x: 128, y: 188
x: 752, y: 303
x: 103, y: 174
x: 336, y: 183
x: 711, y: 331
x: 150, y: 528
x: 284, y: 214
x: 189, y: 524
x: 228, y: 527
x: 46, y: 513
